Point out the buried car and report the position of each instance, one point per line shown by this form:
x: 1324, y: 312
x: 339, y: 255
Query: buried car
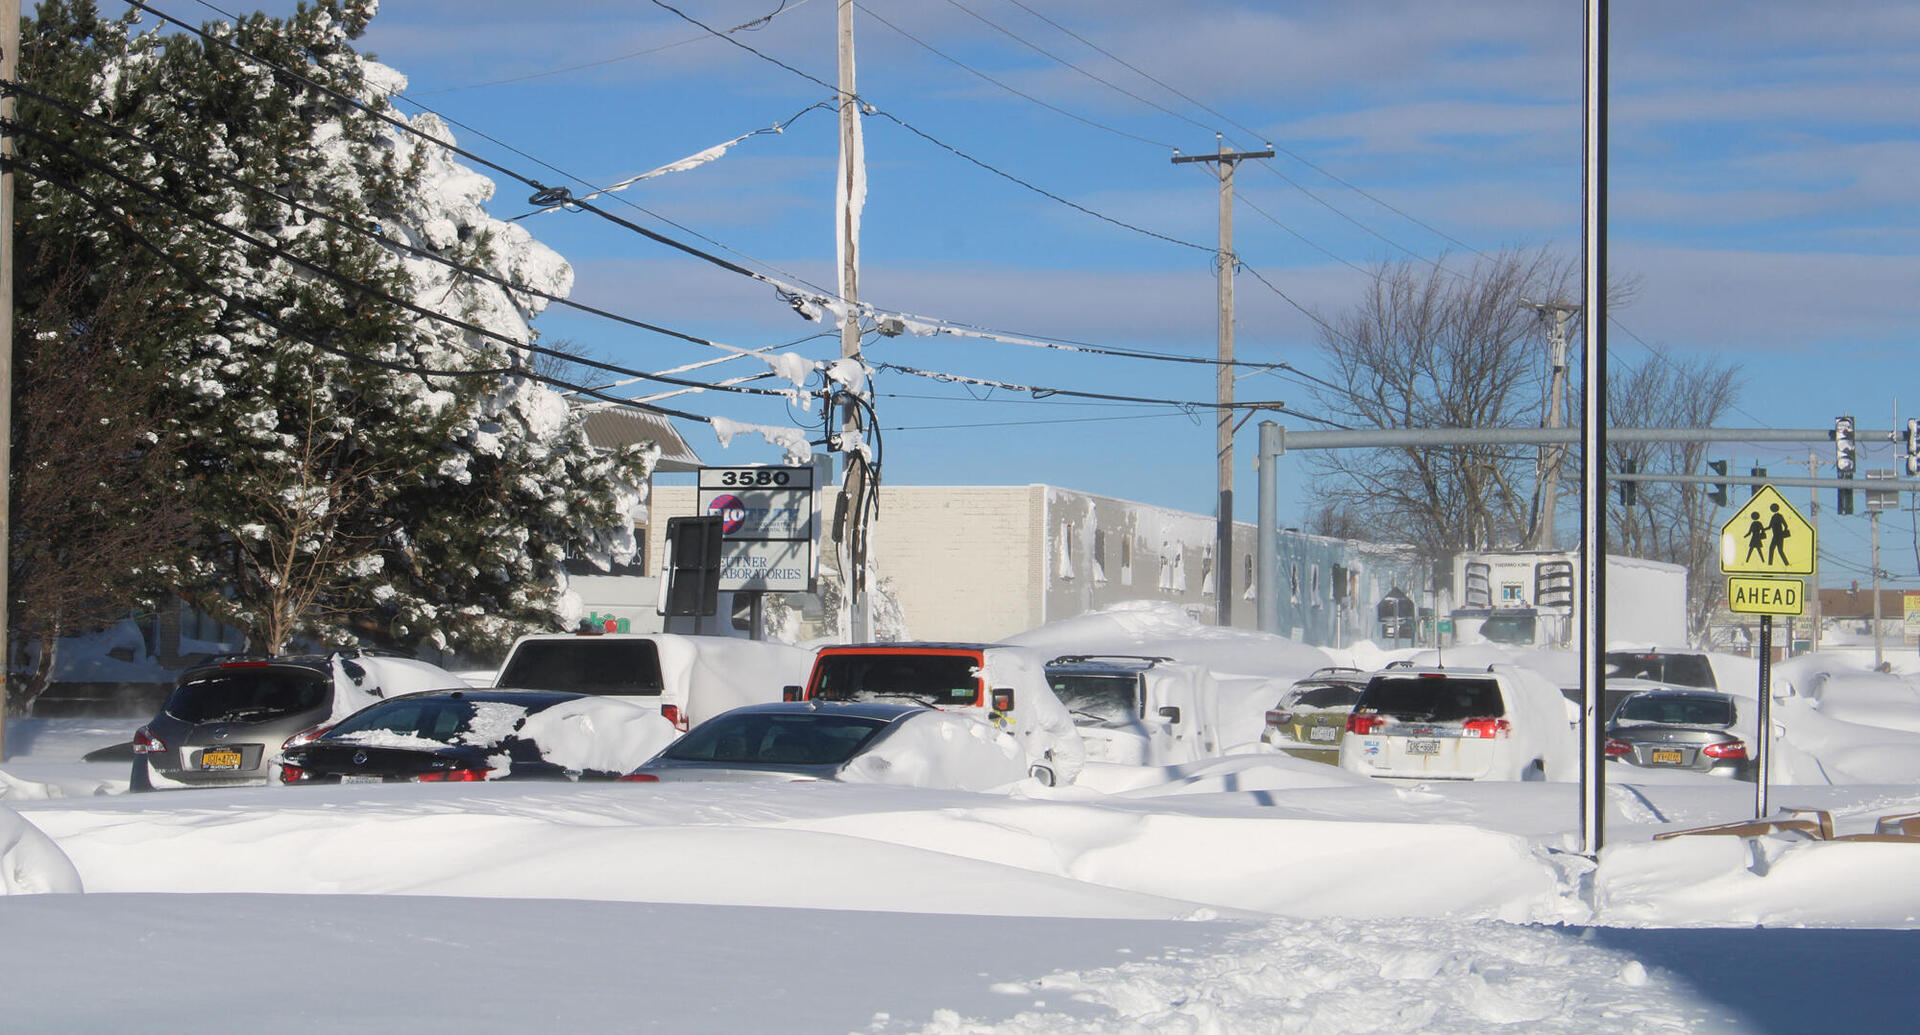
x: 1500, y: 723
x: 853, y: 742
x: 225, y: 721
x: 1137, y: 709
x: 1311, y: 716
x: 472, y: 735
x: 1680, y: 729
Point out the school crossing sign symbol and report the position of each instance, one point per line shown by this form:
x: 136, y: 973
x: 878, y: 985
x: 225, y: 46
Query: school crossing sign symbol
x: 1765, y: 540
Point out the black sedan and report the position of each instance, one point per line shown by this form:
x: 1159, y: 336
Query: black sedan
x: 453, y: 736
x: 1679, y: 729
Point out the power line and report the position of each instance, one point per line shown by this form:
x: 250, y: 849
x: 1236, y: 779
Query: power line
x: 1040, y: 393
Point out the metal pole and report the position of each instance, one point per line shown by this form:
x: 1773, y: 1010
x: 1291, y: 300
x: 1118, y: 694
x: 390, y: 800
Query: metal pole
x: 1593, y: 420
x: 1874, y: 518
x: 1266, y: 574
x: 1813, y: 518
x: 9, y: 71
x: 1764, y: 741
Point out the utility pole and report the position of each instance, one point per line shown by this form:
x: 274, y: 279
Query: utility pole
x: 9, y: 71
x: 1813, y: 518
x: 1551, y: 456
x: 850, y: 188
x: 1878, y: 657
x: 1224, y: 161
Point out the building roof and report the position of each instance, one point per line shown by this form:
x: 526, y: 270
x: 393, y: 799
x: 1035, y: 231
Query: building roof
x: 610, y: 427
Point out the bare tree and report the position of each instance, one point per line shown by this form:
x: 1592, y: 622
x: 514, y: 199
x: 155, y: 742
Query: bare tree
x: 90, y: 511
x: 1429, y: 347
x: 1668, y: 522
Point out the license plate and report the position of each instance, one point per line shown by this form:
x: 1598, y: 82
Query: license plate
x: 1323, y: 733
x: 221, y: 760
x: 361, y: 779
x: 1423, y: 747
x: 1668, y: 756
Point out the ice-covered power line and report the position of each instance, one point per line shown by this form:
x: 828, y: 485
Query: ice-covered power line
x: 1039, y: 392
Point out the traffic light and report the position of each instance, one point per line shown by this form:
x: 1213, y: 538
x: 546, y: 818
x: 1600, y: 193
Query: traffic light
x: 1754, y: 489
x: 1628, y: 465
x: 1843, y: 445
x: 1913, y: 445
x: 1846, y: 496
x: 1718, y: 494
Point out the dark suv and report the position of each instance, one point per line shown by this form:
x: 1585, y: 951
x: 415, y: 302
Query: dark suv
x: 225, y: 721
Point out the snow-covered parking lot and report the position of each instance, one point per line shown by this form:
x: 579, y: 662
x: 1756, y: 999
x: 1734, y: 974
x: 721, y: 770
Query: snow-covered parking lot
x: 1253, y: 892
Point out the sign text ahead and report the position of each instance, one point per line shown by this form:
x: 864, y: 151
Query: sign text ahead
x: 1748, y: 595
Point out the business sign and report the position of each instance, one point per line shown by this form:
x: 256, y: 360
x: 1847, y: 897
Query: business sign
x: 1913, y: 616
x: 1751, y: 595
x: 767, y: 525
x: 1766, y: 536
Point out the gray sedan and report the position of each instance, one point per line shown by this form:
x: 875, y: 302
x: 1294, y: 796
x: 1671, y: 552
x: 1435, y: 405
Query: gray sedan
x: 1679, y: 729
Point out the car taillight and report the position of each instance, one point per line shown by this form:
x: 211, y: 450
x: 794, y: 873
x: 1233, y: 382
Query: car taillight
x: 453, y: 776
x: 145, y: 743
x: 1616, y: 748
x: 293, y: 774
x: 675, y: 716
x: 1736, y: 749
x: 1487, y: 728
x: 638, y: 778
x: 1364, y: 724
x: 1279, y: 718
x: 306, y: 736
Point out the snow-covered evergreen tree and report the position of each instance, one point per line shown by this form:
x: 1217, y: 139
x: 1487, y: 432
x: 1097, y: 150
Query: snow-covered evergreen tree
x: 352, y: 466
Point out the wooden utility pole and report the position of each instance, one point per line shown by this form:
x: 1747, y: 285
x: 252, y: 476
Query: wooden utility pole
x: 9, y: 70
x: 1223, y: 418
x: 1552, y: 456
x: 850, y: 187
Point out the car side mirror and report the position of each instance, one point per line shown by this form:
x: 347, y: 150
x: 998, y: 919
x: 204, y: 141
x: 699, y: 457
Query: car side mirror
x: 1171, y: 713
x: 789, y: 693
x: 1042, y: 774
x: 1003, y: 699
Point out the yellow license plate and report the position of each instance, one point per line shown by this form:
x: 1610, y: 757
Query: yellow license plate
x: 1668, y: 756
x: 223, y: 759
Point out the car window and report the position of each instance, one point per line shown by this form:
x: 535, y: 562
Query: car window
x: 947, y: 680
x: 1676, y: 710
x: 1099, y: 697
x: 585, y: 665
x: 775, y: 739
x: 1432, y: 698
x: 443, y: 719
x: 1330, y: 696
x: 1684, y: 669
x: 249, y: 695
x: 1517, y: 629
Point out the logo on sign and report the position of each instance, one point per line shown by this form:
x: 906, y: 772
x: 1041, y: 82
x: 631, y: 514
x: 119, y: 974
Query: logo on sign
x: 731, y: 512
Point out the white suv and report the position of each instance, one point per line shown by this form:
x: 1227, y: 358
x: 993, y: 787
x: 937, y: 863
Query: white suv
x: 1498, y: 723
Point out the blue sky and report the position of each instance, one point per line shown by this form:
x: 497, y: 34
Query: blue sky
x: 1761, y: 189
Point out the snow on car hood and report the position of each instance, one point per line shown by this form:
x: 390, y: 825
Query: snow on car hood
x: 599, y: 734
x: 941, y: 749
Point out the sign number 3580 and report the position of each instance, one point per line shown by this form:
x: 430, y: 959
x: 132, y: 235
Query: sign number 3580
x: 762, y: 477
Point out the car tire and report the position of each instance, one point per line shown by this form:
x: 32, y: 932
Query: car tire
x: 1535, y: 771
x: 141, y: 780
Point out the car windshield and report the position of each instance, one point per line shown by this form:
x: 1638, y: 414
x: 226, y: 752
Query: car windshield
x: 1676, y: 710
x: 1432, y: 698
x: 800, y: 738
x: 1102, y: 697
x: 442, y: 719
x: 1508, y: 629
x: 585, y: 664
x: 1684, y: 669
x: 249, y: 695
x: 1332, y: 695
x: 944, y: 680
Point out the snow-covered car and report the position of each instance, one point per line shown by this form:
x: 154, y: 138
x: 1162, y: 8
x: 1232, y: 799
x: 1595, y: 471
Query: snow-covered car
x: 1680, y: 729
x: 225, y: 722
x: 1311, y: 716
x: 1675, y: 667
x: 1135, y: 709
x: 853, y: 742
x: 686, y: 678
x: 1500, y: 723
x: 477, y: 734
x: 1003, y: 685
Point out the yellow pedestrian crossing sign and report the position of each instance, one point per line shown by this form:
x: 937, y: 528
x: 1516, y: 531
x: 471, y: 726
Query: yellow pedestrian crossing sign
x: 1766, y: 536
